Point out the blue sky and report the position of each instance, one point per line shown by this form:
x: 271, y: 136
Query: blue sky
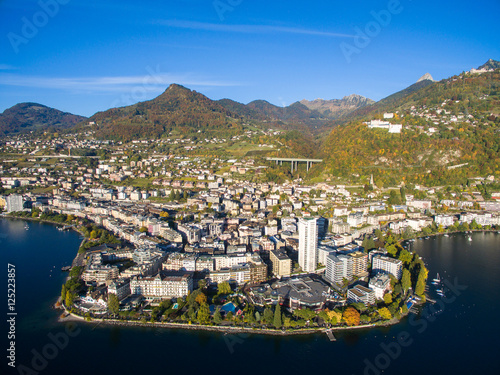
x: 87, y: 56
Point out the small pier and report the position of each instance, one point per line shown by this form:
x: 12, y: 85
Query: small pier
x: 330, y: 335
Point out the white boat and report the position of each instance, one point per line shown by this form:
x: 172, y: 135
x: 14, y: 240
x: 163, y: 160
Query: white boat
x: 469, y: 238
x: 437, y: 280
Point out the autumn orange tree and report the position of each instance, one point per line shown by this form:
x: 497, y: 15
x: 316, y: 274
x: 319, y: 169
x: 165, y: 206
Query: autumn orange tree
x: 351, y: 316
x: 201, y: 298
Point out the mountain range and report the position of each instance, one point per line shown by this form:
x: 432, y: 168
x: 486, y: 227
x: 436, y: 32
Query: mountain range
x: 25, y: 117
x: 177, y: 109
x: 450, y: 133
x: 183, y: 111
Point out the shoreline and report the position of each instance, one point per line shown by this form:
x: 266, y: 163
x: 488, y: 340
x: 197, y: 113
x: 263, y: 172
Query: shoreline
x: 6, y: 216
x: 55, y: 223
x: 225, y: 329
x: 72, y: 317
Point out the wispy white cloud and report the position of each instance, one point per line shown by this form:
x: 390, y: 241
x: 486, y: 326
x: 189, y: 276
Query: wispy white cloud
x: 248, y: 29
x: 153, y: 81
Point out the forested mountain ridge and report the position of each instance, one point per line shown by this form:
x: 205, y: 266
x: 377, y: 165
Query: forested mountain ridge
x: 178, y: 109
x: 451, y: 132
x: 24, y: 117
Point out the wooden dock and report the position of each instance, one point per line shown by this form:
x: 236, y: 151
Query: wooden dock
x: 330, y: 335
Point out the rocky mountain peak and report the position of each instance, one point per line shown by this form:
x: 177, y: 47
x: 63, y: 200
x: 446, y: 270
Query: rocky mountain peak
x: 426, y: 76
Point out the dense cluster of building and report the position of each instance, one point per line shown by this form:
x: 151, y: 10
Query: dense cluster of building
x: 293, y: 243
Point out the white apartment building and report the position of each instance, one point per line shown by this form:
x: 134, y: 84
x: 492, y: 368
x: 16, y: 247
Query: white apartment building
x: 308, y: 244
x: 338, y: 268
x: 162, y: 287
x: 120, y: 288
x: 444, y: 220
x: 361, y: 294
x: 380, y: 284
x: 383, y: 264
x: 355, y: 219
x: 14, y: 203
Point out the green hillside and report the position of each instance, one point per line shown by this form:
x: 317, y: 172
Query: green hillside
x: 448, y: 123
x: 24, y: 117
x: 178, y: 110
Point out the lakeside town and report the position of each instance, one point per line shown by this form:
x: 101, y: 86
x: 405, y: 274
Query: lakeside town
x: 208, y: 241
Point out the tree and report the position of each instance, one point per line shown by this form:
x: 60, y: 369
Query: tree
x: 93, y: 234
x: 277, y: 316
x: 351, y: 316
x: 420, y: 287
x: 368, y: 243
x: 63, y: 292
x: 402, y: 192
x: 408, y: 232
x: 201, y: 298
x: 387, y: 298
x: 192, y: 296
x: 257, y: 316
x: 204, y: 313
x: 365, y: 318
x: 406, y: 281
x: 392, y: 250
x: 475, y: 226
x: 324, y: 315
x: 426, y: 231
x: 305, y: 314
x: 385, y: 313
x: 360, y: 306
x: 217, y: 316
x: 69, y: 299
x: 405, y: 256
x: 268, y: 316
x: 113, y: 304
x: 224, y: 288
x: 249, y: 314
x: 143, y: 229
x: 334, y: 316
x: 191, y: 313
x: 394, y: 198
x: 202, y: 284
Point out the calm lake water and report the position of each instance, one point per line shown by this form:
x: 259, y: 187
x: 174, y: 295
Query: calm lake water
x: 460, y: 338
